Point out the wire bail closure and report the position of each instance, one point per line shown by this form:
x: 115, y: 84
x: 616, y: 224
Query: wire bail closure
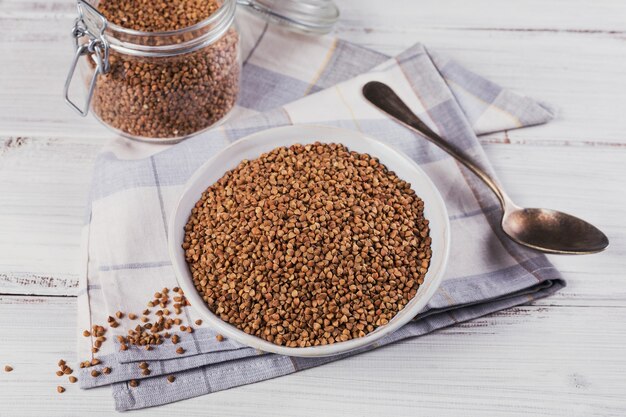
x: 92, y: 24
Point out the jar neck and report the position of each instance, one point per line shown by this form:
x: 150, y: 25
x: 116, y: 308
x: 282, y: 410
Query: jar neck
x: 176, y: 42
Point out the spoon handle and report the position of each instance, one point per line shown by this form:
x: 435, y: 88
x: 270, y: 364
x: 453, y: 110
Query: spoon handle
x: 383, y: 97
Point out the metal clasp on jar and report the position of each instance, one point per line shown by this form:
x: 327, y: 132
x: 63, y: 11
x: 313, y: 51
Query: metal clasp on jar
x: 92, y: 24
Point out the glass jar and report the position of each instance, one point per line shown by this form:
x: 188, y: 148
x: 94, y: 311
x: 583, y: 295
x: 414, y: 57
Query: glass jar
x: 166, y: 86
x: 160, y: 86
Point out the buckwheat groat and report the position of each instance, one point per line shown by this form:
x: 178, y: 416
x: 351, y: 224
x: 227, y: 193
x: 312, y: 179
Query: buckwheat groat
x: 308, y: 245
x: 169, y: 95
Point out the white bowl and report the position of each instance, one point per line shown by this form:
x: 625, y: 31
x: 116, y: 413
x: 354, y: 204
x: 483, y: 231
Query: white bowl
x: 252, y: 147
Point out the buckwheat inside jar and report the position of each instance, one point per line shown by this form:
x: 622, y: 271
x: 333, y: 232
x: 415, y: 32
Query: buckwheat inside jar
x: 174, y: 67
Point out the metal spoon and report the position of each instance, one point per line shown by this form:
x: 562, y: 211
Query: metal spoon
x: 545, y: 230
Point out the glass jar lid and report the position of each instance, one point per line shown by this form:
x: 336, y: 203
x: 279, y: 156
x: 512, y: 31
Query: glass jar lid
x: 309, y: 16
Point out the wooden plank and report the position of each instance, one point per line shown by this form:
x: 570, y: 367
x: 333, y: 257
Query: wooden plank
x: 526, y: 15
x: 526, y: 361
x: 578, y: 180
x: 568, y: 68
x: 44, y: 184
x: 556, y: 357
x: 31, y: 101
x: 46, y: 158
x: 603, y: 16
x: 582, y: 181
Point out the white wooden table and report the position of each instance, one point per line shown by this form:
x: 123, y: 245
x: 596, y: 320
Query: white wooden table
x: 565, y: 355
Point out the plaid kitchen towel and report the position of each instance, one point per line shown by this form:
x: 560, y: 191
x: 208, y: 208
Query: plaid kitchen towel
x: 293, y: 79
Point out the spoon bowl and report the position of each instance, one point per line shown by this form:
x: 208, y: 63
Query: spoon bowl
x: 553, y: 231
x: 545, y: 230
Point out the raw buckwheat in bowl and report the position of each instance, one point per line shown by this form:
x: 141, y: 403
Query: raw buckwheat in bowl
x: 309, y: 240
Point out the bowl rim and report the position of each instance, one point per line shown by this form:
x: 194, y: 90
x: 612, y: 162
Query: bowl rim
x: 183, y: 275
